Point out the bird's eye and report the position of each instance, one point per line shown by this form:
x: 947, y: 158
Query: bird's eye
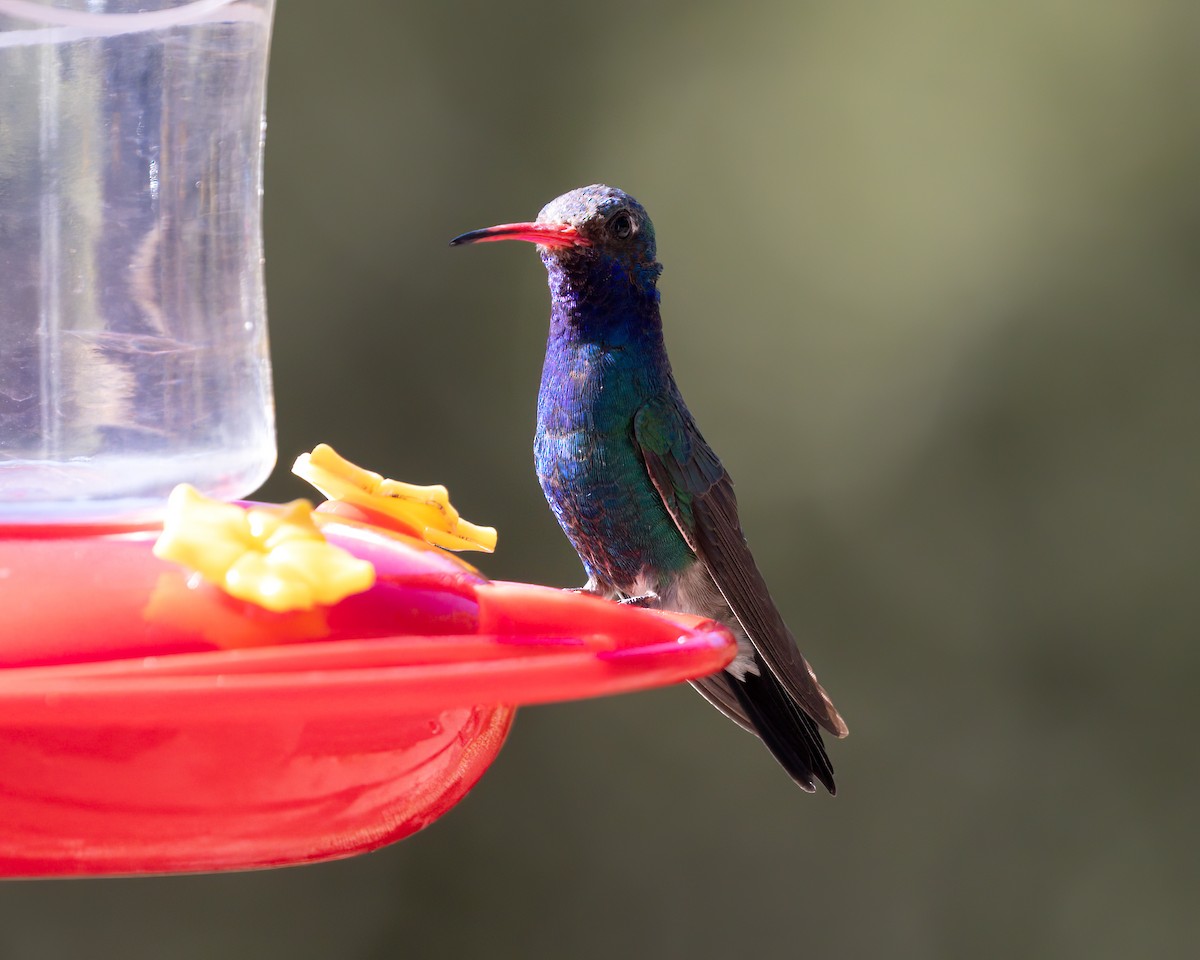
x: 621, y: 226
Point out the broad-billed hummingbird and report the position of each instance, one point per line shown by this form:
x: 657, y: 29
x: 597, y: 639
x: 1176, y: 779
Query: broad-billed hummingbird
x: 641, y: 496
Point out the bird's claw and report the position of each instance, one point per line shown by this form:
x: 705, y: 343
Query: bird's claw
x: 641, y: 600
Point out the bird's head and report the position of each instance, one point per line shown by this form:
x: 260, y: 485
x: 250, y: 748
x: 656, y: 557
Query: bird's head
x: 592, y: 232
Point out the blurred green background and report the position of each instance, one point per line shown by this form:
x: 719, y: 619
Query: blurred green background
x: 931, y: 290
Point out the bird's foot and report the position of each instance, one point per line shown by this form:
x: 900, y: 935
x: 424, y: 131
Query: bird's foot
x: 641, y: 600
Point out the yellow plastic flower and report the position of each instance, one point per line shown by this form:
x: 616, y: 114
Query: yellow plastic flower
x: 425, y: 509
x: 274, y: 557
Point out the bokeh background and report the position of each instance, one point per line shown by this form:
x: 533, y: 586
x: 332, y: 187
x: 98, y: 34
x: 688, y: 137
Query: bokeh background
x: 931, y: 290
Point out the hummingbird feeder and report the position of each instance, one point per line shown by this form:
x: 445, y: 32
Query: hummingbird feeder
x: 189, y: 682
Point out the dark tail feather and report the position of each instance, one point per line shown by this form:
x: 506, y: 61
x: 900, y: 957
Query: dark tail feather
x: 717, y: 689
x: 789, y: 733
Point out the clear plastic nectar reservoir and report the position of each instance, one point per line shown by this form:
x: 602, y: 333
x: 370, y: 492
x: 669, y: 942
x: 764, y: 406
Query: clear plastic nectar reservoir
x: 133, y: 331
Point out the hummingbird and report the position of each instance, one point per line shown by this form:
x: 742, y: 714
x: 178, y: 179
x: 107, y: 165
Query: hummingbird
x: 643, y: 499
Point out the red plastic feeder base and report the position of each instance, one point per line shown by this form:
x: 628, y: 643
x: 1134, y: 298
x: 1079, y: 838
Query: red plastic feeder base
x: 150, y: 724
